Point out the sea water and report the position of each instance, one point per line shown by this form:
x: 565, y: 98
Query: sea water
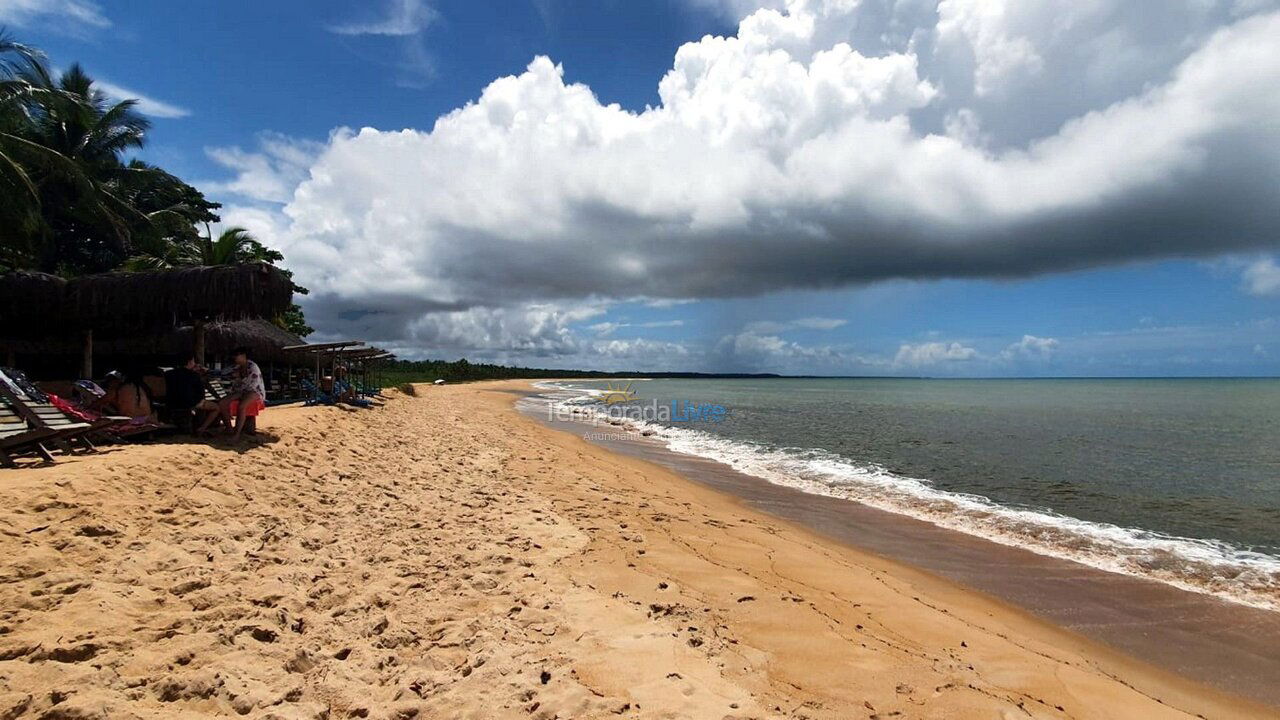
x: 1177, y: 480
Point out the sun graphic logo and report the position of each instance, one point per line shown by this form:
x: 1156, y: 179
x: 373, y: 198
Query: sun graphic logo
x: 615, y: 395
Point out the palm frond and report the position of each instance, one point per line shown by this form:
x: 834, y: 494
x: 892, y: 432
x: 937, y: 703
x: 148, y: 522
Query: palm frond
x: 11, y: 169
x: 144, y: 263
x: 123, y: 119
x: 15, y: 57
x: 46, y: 159
x: 231, y: 247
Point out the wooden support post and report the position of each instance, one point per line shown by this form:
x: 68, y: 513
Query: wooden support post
x: 86, y: 368
x: 197, y: 341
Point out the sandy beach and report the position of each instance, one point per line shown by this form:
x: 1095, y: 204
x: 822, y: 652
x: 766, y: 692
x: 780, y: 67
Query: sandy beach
x: 444, y: 556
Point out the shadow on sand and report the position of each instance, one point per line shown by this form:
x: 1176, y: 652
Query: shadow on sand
x: 217, y: 441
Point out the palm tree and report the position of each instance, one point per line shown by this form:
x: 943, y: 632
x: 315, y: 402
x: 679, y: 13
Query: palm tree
x: 15, y: 60
x: 234, y: 246
x: 88, y: 226
x: 173, y: 211
x: 82, y: 123
x: 19, y: 195
x: 70, y: 205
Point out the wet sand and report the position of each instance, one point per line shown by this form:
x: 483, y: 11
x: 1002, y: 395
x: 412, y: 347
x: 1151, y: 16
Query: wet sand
x: 1226, y: 645
x: 444, y: 556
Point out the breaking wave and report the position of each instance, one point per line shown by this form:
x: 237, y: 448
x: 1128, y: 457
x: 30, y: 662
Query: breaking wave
x: 1212, y: 567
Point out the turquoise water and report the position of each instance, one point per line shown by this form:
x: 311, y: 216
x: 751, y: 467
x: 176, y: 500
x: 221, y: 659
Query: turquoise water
x: 1178, y: 480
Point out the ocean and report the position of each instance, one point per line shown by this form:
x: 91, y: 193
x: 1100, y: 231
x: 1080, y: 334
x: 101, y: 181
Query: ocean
x: 1175, y: 480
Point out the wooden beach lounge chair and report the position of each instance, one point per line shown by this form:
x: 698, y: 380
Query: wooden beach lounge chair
x: 114, y: 428
x: 65, y: 432
x: 59, y: 414
x: 19, y: 438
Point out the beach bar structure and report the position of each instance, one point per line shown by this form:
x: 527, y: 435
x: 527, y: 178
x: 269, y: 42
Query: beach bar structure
x: 47, y: 315
x: 352, y: 353
x: 366, y: 361
x: 324, y: 351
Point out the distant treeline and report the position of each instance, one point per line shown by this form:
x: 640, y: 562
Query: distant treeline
x: 406, y: 371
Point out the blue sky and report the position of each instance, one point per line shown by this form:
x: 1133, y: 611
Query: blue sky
x: 944, y: 195
x: 241, y: 68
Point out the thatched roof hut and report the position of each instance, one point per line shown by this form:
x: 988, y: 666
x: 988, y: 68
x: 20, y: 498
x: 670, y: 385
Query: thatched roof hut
x: 264, y: 339
x: 124, y: 304
x: 27, y: 302
x: 139, y: 309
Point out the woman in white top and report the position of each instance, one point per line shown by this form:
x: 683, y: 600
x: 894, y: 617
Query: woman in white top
x: 247, y: 393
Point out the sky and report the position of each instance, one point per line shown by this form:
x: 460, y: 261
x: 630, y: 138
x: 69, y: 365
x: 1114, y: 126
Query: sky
x: 967, y: 188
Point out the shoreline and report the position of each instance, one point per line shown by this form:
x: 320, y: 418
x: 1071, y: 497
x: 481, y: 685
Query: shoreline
x: 792, y: 507
x: 1228, y: 645
x: 1178, y: 551
x: 445, y: 556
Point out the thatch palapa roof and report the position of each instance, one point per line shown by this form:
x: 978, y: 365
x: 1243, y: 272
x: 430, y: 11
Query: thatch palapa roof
x: 138, y: 302
x: 28, y: 300
x: 124, y: 304
x: 264, y: 339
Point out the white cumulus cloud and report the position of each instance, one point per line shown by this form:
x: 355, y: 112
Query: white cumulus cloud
x: 929, y: 354
x: 268, y: 174
x: 826, y: 143
x: 1031, y: 347
x: 734, y: 9
x: 1262, y: 277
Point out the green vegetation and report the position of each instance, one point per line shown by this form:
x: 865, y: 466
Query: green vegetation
x: 72, y: 204
x: 417, y: 371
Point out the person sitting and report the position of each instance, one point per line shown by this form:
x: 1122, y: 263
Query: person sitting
x: 131, y: 397
x: 105, y: 402
x: 342, y: 389
x: 247, y: 396
x: 184, y: 391
x: 87, y: 404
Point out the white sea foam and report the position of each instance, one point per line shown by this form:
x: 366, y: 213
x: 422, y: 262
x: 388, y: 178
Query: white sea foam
x: 1207, y: 566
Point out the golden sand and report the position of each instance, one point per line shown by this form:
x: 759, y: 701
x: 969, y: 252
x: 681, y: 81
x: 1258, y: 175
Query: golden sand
x: 444, y: 557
